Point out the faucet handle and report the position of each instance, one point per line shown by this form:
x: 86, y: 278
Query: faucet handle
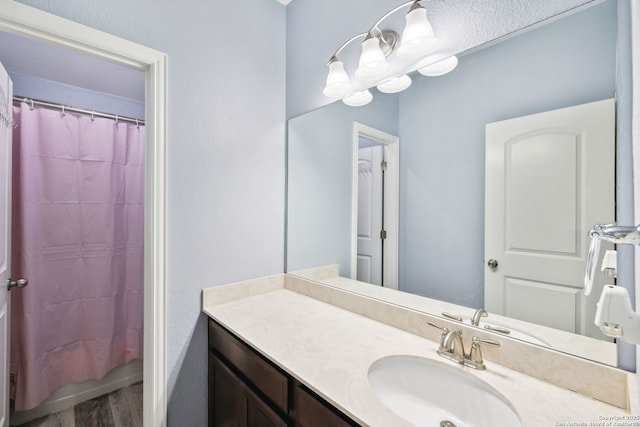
x: 435, y: 325
x: 475, y: 355
x: 442, y: 328
x: 492, y: 343
x: 452, y: 316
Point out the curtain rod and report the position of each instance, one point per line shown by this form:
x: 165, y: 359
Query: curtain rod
x: 63, y: 109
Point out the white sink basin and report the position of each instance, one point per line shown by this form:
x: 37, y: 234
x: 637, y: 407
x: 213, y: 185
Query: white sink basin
x: 429, y: 393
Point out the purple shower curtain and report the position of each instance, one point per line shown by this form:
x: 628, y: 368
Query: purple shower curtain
x: 78, y: 188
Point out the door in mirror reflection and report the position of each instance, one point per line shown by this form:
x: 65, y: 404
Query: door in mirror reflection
x: 549, y: 179
x: 370, y: 212
x: 374, y: 206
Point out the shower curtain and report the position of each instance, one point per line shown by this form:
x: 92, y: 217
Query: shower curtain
x: 78, y: 188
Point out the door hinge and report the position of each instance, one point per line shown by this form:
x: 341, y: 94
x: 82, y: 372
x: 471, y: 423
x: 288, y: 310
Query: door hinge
x: 383, y: 234
x: 383, y: 165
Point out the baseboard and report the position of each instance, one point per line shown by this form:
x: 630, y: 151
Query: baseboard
x: 72, y: 394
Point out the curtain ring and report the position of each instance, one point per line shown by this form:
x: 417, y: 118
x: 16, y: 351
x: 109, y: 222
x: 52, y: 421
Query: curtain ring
x: 30, y: 106
x: 117, y: 119
x: 62, y: 114
x: 93, y: 119
x: 137, y: 124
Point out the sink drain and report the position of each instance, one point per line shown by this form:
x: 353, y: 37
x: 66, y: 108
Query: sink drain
x: 447, y: 423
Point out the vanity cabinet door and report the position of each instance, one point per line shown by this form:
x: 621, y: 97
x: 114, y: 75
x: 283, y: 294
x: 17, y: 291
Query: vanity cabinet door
x: 272, y: 383
x: 233, y: 404
x: 255, y: 413
x: 224, y: 395
x: 311, y: 411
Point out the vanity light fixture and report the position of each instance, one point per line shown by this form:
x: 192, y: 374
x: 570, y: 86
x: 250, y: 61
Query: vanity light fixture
x: 358, y: 99
x: 418, y: 40
x: 439, y: 68
x: 338, y: 83
x: 395, y: 84
x: 373, y: 63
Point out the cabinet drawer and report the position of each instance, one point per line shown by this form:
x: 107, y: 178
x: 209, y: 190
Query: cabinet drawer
x: 269, y: 381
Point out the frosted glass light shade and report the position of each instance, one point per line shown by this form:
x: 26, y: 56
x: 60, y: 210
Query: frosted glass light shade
x: 372, y: 64
x: 338, y: 83
x: 440, y: 68
x: 358, y: 99
x: 418, y: 38
x: 396, y: 84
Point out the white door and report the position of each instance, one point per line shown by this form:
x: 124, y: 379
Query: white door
x: 6, y: 98
x: 370, y: 212
x: 550, y: 177
x: 365, y: 136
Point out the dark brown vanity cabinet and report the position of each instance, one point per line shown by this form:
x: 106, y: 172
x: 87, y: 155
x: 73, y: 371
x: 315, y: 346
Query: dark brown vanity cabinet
x: 247, y: 390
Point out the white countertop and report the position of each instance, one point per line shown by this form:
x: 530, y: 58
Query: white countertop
x: 330, y: 350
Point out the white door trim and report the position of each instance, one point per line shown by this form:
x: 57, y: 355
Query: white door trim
x: 26, y: 21
x: 391, y: 200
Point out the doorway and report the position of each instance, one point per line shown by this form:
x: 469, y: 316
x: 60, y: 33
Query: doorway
x: 28, y: 22
x: 77, y: 236
x: 371, y: 232
x: 374, y: 242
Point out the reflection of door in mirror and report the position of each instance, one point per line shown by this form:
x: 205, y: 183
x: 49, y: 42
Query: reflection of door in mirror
x: 375, y: 198
x: 549, y: 178
x: 370, y: 212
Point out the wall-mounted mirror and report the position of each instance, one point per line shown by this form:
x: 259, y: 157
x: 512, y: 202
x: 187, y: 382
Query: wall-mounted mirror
x: 535, y: 96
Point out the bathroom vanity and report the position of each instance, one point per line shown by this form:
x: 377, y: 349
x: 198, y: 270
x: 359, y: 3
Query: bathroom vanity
x: 248, y: 389
x: 289, y: 351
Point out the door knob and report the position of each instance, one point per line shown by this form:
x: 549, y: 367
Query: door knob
x: 493, y: 264
x: 20, y: 283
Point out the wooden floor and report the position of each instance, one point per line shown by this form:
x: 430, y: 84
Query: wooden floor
x: 122, y: 408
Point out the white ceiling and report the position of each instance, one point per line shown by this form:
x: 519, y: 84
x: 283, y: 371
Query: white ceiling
x: 284, y: 2
x: 24, y: 56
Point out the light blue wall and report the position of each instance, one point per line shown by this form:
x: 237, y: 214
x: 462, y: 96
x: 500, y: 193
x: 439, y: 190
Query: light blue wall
x: 72, y: 96
x: 319, y: 178
x: 225, y: 156
x: 442, y: 154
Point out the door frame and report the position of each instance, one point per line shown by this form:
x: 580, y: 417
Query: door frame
x: 391, y: 200
x: 32, y: 23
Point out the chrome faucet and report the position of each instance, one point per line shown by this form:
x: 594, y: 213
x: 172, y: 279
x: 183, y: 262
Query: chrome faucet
x: 452, y: 347
x: 481, y: 312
